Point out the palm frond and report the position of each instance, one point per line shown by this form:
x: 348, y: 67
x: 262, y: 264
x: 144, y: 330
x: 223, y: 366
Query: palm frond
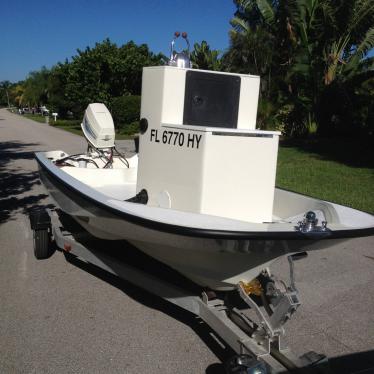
x: 266, y: 11
x: 362, y: 9
x: 358, y: 79
x: 296, y: 10
x: 240, y: 25
x: 367, y: 63
x: 329, y: 14
x: 366, y: 44
x: 328, y: 11
x: 245, y: 4
x: 334, y: 58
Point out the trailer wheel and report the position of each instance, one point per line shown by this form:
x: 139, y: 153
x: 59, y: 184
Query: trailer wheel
x: 42, y: 248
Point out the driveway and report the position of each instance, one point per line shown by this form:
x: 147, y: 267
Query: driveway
x: 60, y: 317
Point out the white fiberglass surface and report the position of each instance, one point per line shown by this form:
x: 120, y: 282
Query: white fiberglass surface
x: 112, y: 186
x: 291, y: 207
x: 114, y: 183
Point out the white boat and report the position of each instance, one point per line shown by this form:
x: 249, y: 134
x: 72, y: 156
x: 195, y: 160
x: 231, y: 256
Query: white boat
x: 200, y: 194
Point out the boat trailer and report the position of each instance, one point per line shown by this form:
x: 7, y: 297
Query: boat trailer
x: 252, y: 327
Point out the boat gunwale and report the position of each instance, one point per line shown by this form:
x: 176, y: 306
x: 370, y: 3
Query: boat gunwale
x: 210, y: 233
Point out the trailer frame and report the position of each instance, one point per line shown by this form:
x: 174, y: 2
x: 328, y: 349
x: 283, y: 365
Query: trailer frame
x: 264, y: 353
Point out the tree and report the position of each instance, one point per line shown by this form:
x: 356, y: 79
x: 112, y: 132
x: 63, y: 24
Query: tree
x: 133, y: 58
x: 106, y: 71
x: 308, y: 52
x: 36, y: 88
x: 57, y: 82
x: 96, y: 74
x: 16, y: 94
x: 202, y: 57
x: 5, y: 87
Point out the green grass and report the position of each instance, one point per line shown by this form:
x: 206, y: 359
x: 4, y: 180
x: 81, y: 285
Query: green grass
x: 76, y: 129
x: 35, y: 117
x: 69, y: 125
x: 340, y: 171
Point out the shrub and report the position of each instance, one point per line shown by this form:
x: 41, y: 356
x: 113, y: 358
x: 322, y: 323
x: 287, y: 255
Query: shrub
x: 64, y: 122
x: 125, y: 111
x: 130, y: 129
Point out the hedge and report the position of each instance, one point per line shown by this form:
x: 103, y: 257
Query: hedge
x: 125, y: 111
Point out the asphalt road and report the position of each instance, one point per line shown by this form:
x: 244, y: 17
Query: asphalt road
x: 58, y: 317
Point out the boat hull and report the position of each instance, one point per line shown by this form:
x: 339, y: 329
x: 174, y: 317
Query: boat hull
x: 215, y: 261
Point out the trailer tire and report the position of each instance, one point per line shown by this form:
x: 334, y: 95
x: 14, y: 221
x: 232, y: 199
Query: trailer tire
x: 42, y: 247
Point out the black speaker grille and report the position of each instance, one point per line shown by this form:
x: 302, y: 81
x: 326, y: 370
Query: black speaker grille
x: 211, y: 100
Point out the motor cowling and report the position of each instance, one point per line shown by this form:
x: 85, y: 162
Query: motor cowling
x: 98, y: 126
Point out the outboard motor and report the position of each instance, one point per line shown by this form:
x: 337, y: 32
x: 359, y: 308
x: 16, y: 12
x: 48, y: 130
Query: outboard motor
x: 98, y: 129
x: 180, y: 59
x: 98, y: 126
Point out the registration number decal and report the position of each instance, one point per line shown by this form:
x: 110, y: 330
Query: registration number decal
x: 176, y: 138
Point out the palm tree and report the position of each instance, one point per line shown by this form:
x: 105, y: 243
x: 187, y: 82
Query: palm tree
x: 305, y: 50
x: 203, y: 57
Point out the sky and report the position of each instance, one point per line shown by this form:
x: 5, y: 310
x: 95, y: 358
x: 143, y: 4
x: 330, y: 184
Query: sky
x: 43, y: 32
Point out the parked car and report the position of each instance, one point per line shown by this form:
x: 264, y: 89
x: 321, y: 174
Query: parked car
x: 44, y: 111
